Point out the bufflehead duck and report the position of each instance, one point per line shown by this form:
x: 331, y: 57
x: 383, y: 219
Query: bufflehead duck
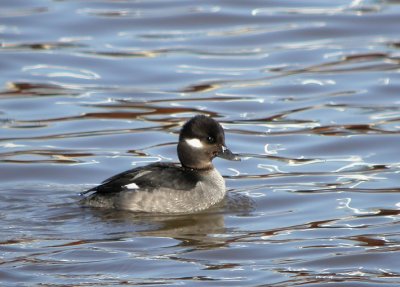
x: 193, y: 185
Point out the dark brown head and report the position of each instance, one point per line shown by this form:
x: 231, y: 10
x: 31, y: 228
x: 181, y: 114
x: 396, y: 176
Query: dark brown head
x: 201, y: 140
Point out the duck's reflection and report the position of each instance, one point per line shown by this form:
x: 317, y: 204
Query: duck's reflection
x: 201, y: 230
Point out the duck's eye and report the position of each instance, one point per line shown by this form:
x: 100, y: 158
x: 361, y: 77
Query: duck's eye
x: 210, y: 139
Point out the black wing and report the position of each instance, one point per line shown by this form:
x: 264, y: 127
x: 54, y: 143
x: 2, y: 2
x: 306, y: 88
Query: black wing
x: 151, y: 177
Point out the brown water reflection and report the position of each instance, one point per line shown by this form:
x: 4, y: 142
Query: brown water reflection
x: 307, y: 91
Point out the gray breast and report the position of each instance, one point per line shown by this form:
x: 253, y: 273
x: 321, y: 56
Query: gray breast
x: 209, y: 190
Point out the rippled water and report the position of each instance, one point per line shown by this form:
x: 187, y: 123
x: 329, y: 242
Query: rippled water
x: 308, y: 92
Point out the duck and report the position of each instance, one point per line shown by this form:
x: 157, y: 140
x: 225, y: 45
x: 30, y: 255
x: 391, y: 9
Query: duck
x: 192, y: 185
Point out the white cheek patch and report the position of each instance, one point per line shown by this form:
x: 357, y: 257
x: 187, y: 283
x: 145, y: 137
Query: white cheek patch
x: 131, y: 186
x: 195, y: 142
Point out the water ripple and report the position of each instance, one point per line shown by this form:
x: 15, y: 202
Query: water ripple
x: 307, y: 92
x: 60, y: 71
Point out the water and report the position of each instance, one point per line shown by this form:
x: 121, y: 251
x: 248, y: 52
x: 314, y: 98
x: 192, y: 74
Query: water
x: 308, y: 92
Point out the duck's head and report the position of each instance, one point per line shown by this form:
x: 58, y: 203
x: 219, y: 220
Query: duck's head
x: 201, y: 140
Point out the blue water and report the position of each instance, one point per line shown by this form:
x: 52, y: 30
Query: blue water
x: 308, y: 94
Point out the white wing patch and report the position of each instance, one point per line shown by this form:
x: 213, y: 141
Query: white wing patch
x: 131, y: 186
x: 195, y: 142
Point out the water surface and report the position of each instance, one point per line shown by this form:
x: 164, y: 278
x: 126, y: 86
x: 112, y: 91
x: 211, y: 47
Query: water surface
x: 308, y: 92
